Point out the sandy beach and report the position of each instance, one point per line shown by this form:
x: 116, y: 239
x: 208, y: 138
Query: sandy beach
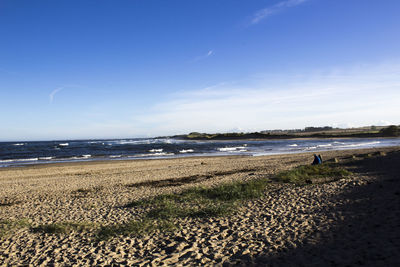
x: 353, y: 221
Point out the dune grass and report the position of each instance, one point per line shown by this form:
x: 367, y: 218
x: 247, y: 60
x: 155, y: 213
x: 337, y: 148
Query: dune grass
x: 202, y: 201
x: 8, y: 227
x: 134, y: 228
x: 62, y: 227
x: 221, y: 200
x: 195, y: 202
x: 164, y: 210
x: 306, y: 173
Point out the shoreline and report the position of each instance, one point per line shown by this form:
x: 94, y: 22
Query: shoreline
x: 262, y: 231
x: 101, y: 160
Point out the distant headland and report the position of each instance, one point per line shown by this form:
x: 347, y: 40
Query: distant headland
x: 308, y: 132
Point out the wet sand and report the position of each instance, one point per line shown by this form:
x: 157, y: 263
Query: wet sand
x: 352, y: 221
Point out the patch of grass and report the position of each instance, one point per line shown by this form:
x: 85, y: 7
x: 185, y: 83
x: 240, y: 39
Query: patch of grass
x: 62, y: 227
x: 308, y: 173
x: 82, y: 191
x: 228, y: 192
x: 138, y: 227
x: 235, y: 191
x: 8, y: 203
x: 222, y: 209
x: 8, y: 227
x: 194, y: 202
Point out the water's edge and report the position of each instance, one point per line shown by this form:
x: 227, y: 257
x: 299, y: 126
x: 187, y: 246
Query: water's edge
x: 28, y: 153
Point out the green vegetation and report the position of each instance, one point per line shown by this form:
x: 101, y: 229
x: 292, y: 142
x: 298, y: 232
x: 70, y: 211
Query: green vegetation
x: 8, y: 203
x: 194, y: 202
x: 138, y: 227
x: 308, y: 132
x: 392, y: 130
x: 233, y: 191
x: 227, y: 136
x: 8, y: 227
x: 308, y: 173
x: 163, y: 211
x: 83, y: 192
x: 62, y: 228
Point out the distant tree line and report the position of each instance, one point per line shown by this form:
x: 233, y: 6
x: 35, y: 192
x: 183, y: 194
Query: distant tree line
x: 392, y: 130
x: 318, y: 129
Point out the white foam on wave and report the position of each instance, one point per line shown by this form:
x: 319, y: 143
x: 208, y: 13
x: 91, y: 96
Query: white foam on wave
x: 63, y: 144
x: 231, y: 149
x: 6, y: 160
x: 186, y: 151
x: 132, y: 142
x: 161, y: 154
x: 45, y: 158
x: 19, y: 144
x: 81, y: 157
x: 156, y: 150
x: 327, y: 145
x: 157, y: 154
x: 96, y: 142
x: 337, y: 142
x: 115, y: 156
x: 294, y: 145
x: 18, y: 160
x: 361, y: 144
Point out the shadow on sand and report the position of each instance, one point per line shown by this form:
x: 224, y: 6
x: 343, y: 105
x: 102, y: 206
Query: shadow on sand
x: 367, y: 229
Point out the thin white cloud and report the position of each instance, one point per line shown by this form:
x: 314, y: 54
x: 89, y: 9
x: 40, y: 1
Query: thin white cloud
x: 209, y: 53
x: 356, y: 96
x: 53, y: 93
x: 266, y: 12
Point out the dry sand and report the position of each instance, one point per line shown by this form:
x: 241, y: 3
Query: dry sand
x: 352, y: 221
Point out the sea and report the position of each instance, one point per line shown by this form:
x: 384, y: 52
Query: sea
x: 13, y: 154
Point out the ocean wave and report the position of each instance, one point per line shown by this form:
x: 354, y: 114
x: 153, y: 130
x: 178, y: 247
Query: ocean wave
x: 143, y: 142
x: 115, y: 156
x: 156, y: 150
x: 96, y: 142
x: 19, y: 144
x: 327, y: 145
x: 360, y: 144
x: 80, y: 157
x: 63, y: 144
x: 337, y: 142
x: 45, y: 158
x: 157, y: 154
x: 186, y: 151
x: 311, y: 147
x: 18, y: 160
x: 293, y: 145
x: 230, y: 149
x: 131, y: 142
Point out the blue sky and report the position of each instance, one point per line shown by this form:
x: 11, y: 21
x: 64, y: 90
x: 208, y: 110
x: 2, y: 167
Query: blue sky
x: 117, y: 69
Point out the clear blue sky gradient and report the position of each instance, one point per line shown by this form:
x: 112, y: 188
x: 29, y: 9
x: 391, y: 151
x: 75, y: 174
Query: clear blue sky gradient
x: 115, y: 69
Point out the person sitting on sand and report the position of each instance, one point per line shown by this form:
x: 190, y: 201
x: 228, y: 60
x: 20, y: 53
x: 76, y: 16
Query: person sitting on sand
x: 317, y: 160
